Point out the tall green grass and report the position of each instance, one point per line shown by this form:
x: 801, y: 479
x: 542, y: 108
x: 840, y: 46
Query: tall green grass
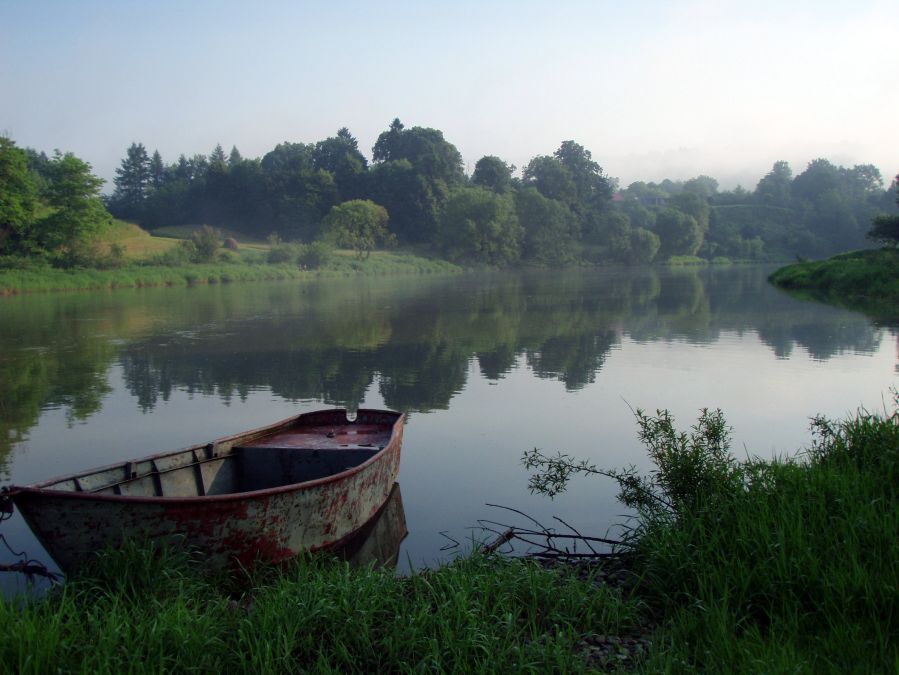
x: 789, y: 565
x: 796, y: 570
x: 155, y: 611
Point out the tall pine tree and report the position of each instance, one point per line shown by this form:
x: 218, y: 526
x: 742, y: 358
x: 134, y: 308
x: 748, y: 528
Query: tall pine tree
x: 131, y: 182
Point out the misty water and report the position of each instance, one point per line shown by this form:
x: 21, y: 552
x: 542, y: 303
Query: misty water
x: 485, y: 366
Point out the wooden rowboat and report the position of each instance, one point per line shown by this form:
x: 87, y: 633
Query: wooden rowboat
x: 303, y: 484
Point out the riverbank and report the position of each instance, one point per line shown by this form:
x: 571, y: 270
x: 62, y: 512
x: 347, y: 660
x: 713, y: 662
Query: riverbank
x: 865, y: 280
x: 787, y: 565
x: 47, y: 279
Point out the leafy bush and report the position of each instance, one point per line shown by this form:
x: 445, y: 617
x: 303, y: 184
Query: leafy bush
x: 207, y: 241
x: 693, y: 469
x: 314, y: 255
x: 281, y: 253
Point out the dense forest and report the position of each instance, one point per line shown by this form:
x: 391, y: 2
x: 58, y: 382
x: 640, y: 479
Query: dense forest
x: 415, y: 194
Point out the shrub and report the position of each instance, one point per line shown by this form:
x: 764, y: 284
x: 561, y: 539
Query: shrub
x: 282, y: 253
x: 314, y: 256
x: 207, y: 241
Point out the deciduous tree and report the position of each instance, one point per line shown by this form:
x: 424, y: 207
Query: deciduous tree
x: 678, y: 233
x: 78, y: 213
x: 480, y: 225
x: 885, y: 229
x: 358, y: 224
x: 549, y: 228
x: 493, y: 173
x: 18, y: 198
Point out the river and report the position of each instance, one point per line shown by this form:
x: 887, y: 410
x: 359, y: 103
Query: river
x: 485, y: 365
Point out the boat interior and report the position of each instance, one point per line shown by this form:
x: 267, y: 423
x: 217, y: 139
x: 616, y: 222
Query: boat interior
x: 239, y: 464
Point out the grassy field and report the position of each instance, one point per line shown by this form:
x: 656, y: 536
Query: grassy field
x: 865, y: 280
x: 184, y: 232
x: 138, y: 243
x: 758, y: 566
x: 150, y: 260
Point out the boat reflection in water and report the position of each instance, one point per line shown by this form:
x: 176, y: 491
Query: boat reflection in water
x: 378, y: 541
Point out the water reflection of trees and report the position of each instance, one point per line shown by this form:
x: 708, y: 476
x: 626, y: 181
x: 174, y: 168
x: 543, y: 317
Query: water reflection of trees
x: 415, y: 339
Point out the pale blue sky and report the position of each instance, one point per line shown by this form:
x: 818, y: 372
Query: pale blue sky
x: 653, y: 89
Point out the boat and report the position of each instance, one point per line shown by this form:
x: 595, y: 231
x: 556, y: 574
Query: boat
x: 304, y: 484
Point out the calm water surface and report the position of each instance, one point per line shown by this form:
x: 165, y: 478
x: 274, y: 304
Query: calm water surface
x: 486, y: 366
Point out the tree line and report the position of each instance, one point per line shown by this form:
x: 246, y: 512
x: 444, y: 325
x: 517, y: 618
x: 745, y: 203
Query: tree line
x: 414, y: 193
x: 563, y: 207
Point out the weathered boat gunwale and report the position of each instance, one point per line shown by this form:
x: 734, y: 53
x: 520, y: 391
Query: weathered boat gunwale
x: 42, y: 489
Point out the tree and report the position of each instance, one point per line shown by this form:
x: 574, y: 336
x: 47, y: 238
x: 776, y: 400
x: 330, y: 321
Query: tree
x: 493, y: 173
x: 412, y: 200
x: 234, y: 157
x: 389, y: 143
x: 693, y: 205
x: 480, y: 225
x: 678, y: 233
x: 774, y: 188
x: 819, y: 177
x: 18, y: 198
x: 157, y: 171
x: 644, y: 246
x: 299, y: 195
x: 358, y: 224
x: 703, y: 186
x: 217, y: 160
x: 340, y: 156
x: 549, y: 228
x: 78, y: 213
x: 862, y: 181
x: 611, y: 232
x: 131, y: 181
x: 426, y: 150
x: 551, y: 178
x: 591, y: 186
x: 885, y: 229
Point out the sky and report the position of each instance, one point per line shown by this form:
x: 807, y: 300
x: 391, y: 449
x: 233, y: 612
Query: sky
x: 653, y: 89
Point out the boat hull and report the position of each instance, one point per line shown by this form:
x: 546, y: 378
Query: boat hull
x: 271, y: 524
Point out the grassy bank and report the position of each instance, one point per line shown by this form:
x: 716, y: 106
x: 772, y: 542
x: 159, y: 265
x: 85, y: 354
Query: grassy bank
x: 42, y: 279
x: 790, y: 565
x: 784, y: 566
x: 759, y: 566
x: 145, y: 614
x: 866, y: 280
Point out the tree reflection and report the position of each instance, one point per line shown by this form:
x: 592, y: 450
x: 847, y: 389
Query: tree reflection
x: 413, y: 338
